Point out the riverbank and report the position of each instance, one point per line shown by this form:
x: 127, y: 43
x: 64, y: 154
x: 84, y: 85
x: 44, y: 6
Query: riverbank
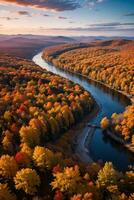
x: 88, y: 137
x: 130, y: 97
x: 84, y: 139
x: 109, y: 102
x: 128, y: 146
x: 71, y: 140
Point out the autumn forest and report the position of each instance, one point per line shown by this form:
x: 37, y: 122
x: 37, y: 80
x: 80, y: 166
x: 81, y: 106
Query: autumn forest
x: 38, y: 107
x: 66, y: 100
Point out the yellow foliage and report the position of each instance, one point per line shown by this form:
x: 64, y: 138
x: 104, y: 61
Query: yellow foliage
x: 26, y: 149
x: 30, y: 136
x: 7, y: 115
x: 8, y: 166
x: 7, y: 141
x: 43, y: 157
x: 67, y: 181
x: 86, y: 196
x: 124, y: 197
x: 107, y: 175
x: 114, y: 115
x: 54, y: 125
x: 27, y: 180
x: 123, y: 123
x: 104, y: 123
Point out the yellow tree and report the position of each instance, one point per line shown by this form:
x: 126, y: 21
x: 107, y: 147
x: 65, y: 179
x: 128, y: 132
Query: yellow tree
x: 30, y: 136
x: 28, y: 180
x: 43, y: 157
x: 107, y: 175
x: 104, y: 123
x: 67, y: 181
x: 8, y: 166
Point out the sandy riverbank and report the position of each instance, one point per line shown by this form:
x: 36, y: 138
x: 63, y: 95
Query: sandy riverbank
x: 84, y: 139
x: 76, y: 140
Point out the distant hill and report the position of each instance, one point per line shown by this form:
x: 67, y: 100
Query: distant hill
x: 98, y: 38
x: 113, y: 43
x: 26, y: 38
x: 27, y: 45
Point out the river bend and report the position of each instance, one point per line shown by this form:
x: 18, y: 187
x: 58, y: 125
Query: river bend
x: 101, y: 148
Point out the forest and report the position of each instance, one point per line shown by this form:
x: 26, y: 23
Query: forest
x: 122, y: 124
x: 110, y: 62
x: 37, y: 107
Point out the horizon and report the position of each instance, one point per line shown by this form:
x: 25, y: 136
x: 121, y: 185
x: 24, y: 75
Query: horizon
x: 69, y: 36
x: 67, y: 18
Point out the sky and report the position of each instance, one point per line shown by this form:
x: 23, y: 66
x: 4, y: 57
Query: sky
x: 67, y: 17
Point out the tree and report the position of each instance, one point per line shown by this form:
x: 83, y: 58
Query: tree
x: 30, y: 136
x: 67, y: 181
x: 43, y: 158
x: 54, y: 125
x: 107, y: 175
x: 23, y: 159
x: 8, y: 166
x: 58, y: 195
x: 104, y: 123
x: 125, y: 197
x: 86, y: 196
x: 28, y: 180
x: 7, y: 115
x: 26, y: 149
x: 7, y: 141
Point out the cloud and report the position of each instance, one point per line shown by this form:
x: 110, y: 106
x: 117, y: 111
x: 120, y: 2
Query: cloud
x: 57, y: 5
x: 9, y: 18
x: 92, y: 3
x: 24, y: 13
x: 46, y: 15
x: 100, y: 1
x: 82, y: 30
x: 129, y: 14
x: 103, y: 27
x: 127, y: 24
x: 111, y: 24
x: 60, y: 17
x: 71, y: 22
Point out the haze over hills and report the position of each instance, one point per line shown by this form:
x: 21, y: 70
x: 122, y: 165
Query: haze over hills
x: 62, y: 38
x: 36, y: 37
x: 100, y: 37
x: 27, y: 45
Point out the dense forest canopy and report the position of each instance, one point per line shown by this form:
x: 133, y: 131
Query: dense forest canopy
x: 110, y: 62
x: 36, y: 107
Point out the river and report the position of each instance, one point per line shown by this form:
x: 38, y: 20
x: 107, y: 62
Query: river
x: 101, y: 147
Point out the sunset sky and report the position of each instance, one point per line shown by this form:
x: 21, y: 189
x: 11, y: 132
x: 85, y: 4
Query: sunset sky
x: 67, y: 17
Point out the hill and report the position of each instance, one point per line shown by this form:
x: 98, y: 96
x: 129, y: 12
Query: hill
x: 109, y: 61
x: 26, y: 46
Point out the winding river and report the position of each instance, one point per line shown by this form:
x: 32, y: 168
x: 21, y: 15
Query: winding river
x: 101, y: 147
